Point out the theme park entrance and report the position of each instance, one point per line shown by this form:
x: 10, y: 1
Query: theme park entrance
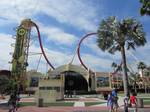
x: 75, y: 81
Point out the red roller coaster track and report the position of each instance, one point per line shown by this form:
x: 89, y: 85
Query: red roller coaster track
x: 41, y: 46
x: 78, y: 50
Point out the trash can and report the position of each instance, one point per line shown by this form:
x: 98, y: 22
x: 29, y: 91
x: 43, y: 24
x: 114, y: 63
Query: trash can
x: 140, y: 103
x: 40, y: 102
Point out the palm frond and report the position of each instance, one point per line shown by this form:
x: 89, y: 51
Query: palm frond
x: 112, y: 34
x: 145, y: 9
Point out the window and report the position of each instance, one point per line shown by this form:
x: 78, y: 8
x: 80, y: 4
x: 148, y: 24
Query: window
x: 34, y: 82
x: 102, y: 81
x: 42, y: 88
x: 49, y: 88
x: 57, y: 89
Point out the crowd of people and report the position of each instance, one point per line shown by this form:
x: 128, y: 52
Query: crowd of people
x: 112, y: 101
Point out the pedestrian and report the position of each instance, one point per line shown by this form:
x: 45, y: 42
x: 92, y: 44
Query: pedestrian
x: 110, y: 102
x: 115, y: 100
x: 126, y: 99
x: 114, y: 92
x: 12, y: 103
x: 133, y: 101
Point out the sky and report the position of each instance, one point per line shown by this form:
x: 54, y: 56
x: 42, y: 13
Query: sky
x: 62, y: 23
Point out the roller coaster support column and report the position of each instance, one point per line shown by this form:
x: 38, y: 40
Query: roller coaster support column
x: 20, y: 56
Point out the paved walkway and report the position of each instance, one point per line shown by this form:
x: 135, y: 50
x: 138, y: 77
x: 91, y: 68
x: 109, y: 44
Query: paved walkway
x: 120, y: 102
x: 3, y: 101
x: 79, y: 106
x: 69, y: 109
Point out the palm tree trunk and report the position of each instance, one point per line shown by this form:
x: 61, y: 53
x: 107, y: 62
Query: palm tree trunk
x: 141, y: 72
x: 135, y: 88
x: 134, y: 85
x: 125, y: 77
x: 145, y: 87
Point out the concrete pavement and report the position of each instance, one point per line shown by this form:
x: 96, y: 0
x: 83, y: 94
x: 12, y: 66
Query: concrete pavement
x: 79, y: 106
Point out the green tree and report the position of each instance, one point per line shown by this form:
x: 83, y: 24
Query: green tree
x: 114, y: 66
x: 114, y: 35
x: 141, y: 66
x: 134, y: 79
x: 145, y: 9
x: 4, y: 83
x: 117, y: 68
x: 147, y: 71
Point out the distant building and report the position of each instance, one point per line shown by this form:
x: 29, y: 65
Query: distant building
x: 6, y: 73
x: 68, y: 79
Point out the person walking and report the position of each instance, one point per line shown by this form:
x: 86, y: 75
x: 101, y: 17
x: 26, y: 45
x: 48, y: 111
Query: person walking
x: 12, y: 103
x: 126, y: 104
x: 110, y: 102
x: 133, y: 101
x: 115, y: 100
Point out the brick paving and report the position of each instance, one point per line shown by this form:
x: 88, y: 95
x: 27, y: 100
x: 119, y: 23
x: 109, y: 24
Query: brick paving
x: 68, y: 109
x: 59, y: 109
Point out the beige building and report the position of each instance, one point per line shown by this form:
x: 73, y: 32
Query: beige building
x: 70, y: 78
x: 103, y: 82
x: 50, y: 89
x: 76, y: 77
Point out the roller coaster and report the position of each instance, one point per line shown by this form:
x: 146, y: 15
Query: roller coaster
x: 21, y: 52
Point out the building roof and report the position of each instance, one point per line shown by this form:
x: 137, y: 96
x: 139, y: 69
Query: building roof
x: 104, y: 74
x: 5, y: 72
x: 69, y: 67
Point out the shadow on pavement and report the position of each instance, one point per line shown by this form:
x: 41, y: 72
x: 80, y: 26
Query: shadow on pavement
x: 4, y: 106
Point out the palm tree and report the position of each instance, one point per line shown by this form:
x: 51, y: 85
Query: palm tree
x: 145, y: 9
x: 141, y: 66
x: 147, y: 71
x: 116, y: 68
x: 134, y: 79
x: 4, y: 80
x: 115, y: 35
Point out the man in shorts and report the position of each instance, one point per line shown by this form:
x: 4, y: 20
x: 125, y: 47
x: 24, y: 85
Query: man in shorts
x: 115, y: 100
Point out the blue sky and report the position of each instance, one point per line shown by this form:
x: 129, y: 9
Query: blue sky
x: 62, y: 23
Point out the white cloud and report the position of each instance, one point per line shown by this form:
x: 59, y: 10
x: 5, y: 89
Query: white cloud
x: 5, y: 51
x: 80, y: 14
x: 142, y: 53
x: 57, y: 35
x: 5, y: 22
x: 97, y: 63
x: 57, y: 58
x: 77, y: 13
x: 16, y: 10
x: 91, y: 44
